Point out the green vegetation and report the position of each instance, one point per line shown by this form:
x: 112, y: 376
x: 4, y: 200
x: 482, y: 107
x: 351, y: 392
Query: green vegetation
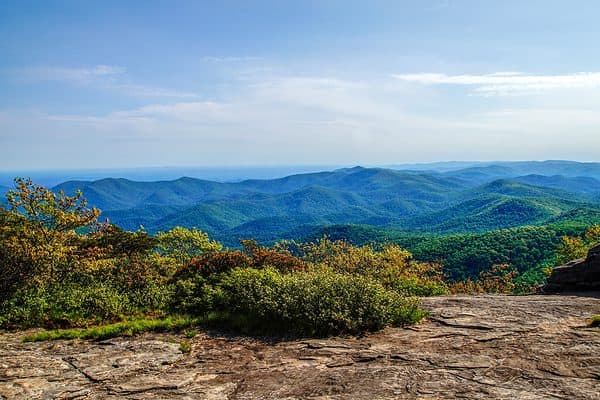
x: 190, y: 333
x: 185, y: 346
x: 471, y: 200
x: 465, y: 256
x: 312, y: 303
x: 595, y: 321
x: 64, y: 304
x: 530, y: 251
x: 125, y: 328
x: 325, y: 288
x: 182, y: 245
x: 62, y: 268
x: 572, y: 248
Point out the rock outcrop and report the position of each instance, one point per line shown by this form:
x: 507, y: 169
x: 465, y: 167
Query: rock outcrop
x: 470, y: 347
x: 577, y: 276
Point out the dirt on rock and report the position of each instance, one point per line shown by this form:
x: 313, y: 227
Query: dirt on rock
x: 471, y: 347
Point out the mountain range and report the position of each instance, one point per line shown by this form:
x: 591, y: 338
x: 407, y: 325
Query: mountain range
x: 476, y: 198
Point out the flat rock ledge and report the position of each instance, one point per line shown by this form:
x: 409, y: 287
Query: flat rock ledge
x: 471, y: 347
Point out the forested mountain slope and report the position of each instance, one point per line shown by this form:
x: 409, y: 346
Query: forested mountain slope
x: 477, y: 198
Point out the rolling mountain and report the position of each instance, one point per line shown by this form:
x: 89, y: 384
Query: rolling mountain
x: 578, y: 184
x: 490, y: 212
x: 515, y: 188
x: 110, y: 193
x: 472, y: 199
x: 483, y: 172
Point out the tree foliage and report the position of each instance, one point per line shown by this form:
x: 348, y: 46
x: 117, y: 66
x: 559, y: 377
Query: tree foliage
x: 183, y: 244
x: 61, y: 267
x: 575, y: 247
x: 499, y: 279
x: 58, y: 263
x: 39, y: 234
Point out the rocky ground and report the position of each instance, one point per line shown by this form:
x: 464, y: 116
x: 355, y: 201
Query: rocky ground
x: 530, y: 347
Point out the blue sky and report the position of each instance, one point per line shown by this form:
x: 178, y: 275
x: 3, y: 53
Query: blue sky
x: 217, y: 83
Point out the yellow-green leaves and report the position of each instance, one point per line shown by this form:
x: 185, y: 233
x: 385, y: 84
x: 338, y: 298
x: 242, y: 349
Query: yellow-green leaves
x: 572, y: 248
x: 183, y: 244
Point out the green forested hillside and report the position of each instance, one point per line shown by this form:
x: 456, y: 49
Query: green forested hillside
x: 529, y: 250
x: 576, y: 219
x: 513, y: 187
x: 478, y: 198
x: 489, y: 212
x: 580, y: 184
x: 112, y: 194
x: 485, y: 172
x: 406, y: 234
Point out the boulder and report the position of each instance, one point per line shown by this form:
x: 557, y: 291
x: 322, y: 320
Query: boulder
x: 582, y: 275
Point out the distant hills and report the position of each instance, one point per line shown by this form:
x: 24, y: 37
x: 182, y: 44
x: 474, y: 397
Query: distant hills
x: 448, y: 199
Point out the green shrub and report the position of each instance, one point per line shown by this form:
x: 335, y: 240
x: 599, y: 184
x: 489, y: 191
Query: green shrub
x: 79, y: 303
x: 419, y: 287
x: 194, y: 295
x: 311, y: 303
x: 595, y: 321
x: 253, y: 256
x: 152, y: 297
x: 388, y: 264
x: 64, y: 305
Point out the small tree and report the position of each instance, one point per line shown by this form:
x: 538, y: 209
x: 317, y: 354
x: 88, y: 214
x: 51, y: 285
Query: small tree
x: 499, y: 279
x: 572, y: 248
x: 38, y: 236
x: 49, y: 210
x: 183, y: 244
x: 592, y: 236
x: 45, y: 223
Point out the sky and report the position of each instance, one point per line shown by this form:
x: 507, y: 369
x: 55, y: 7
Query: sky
x: 114, y: 84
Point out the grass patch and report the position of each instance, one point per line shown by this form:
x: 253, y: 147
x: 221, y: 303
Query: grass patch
x: 185, y: 346
x: 126, y: 328
x: 190, y: 333
x: 595, y: 321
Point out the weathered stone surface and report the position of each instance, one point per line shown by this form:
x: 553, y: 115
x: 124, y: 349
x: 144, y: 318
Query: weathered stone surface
x: 576, y: 276
x: 475, y: 347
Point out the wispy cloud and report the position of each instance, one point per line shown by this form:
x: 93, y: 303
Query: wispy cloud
x: 65, y: 74
x: 508, y: 83
x: 284, y: 108
x: 184, y: 112
x: 312, y: 119
x: 103, y: 77
x: 147, y: 91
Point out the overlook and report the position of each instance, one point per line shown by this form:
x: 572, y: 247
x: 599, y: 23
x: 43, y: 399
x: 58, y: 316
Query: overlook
x: 299, y: 200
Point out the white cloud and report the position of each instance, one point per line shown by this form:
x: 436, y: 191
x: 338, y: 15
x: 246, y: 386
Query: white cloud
x: 184, y: 112
x: 102, y: 77
x: 313, y: 119
x: 508, y: 83
x: 64, y: 74
x: 146, y: 91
